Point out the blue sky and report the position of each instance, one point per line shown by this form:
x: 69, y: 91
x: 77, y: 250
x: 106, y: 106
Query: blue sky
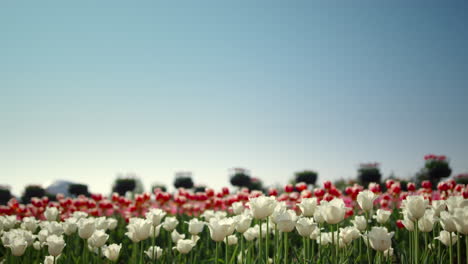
x: 93, y: 88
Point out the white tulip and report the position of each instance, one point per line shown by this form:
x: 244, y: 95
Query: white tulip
x: 18, y: 246
x: 54, y: 228
x: 112, y: 252
x: 318, y: 216
x: 262, y: 206
x: 112, y: 223
x: 138, y: 228
x: 416, y: 206
x: 51, y: 213
x: 170, y: 223
x: 243, y: 222
x: 250, y: 234
x: 438, y: 206
x: 380, y: 239
x: 231, y: 240
x: 220, y: 228
x: 155, y: 216
x: 460, y: 216
x: 70, y: 226
x: 455, y: 202
x: 154, y: 252
x: 349, y: 234
x: 305, y: 226
x: 447, y: 238
x: 184, y: 246
x: 195, y: 226
x: 448, y: 221
x: 280, y: 208
x: 98, y: 239
x: 426, y: 223
x: 382, y: 216
x: 29, y: 223
x: 325, y: 239
x: 315, y: 234
x: 366, y: 199
x: 55, y: 245
x: 334, y: 211
x: 360, y: 222
x: 175, y: 236
x: 86, y: 227
x: 409, y: 225
x: 286, y: 221
x: 238, y: 208
x: 42, y: 235
x: 308, y: 206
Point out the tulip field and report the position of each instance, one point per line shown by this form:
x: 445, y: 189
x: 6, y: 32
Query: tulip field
x: 300, y: 224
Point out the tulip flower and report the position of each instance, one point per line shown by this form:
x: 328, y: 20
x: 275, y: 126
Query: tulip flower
x: 379, y: 238
x: 184, y: 246
x: 170, y: 223
x: 426, y: 223
x: 238, y: 208
x: 112, y: 252
x: 51, y: 213
x: 366, y: 199
x: 416, y: 206
x: 305, y: 226
x: 195, y: 226
x: 98, y: 239
x: 55, y: 245
x: 154, y: 252
x: 334, y: 211
x: 17, y: 246
x: 86, y: 228
x: 231, y: 240
x: 286, y: 221
x: 447, y: 238
x: 262, y: 206
x: 382, y: 216
x: 155, y: 216
x: 360, y: 222
x: 308, y: 206
x: 220, y: 228
x: 243, y: 222
x: 175, y: 236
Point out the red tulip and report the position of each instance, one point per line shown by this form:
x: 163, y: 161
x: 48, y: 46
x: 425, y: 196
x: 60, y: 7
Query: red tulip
x: 289, y: 188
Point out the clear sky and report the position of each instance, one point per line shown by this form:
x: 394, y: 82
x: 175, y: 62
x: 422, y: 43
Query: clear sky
x: 89, y: 89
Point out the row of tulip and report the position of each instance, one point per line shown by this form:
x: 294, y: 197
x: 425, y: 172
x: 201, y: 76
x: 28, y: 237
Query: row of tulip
x: 298, y: 226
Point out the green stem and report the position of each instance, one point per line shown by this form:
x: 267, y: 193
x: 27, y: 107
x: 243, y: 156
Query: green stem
x: 286, y: 261
x: 267, y: 240
x: 458, y: 250
x: 153, y: 238
x: 338, y: 242
x: 277, y: 257
x: 466, y: 249
x: 304, y: 246
x: 260, y: 241
x: 216, y: 252
x: 368, y: 243
x: 438, y: 241
x: 450, y: 248
x: 226, y: 252
x: 416, y: 243
x: 242, y: 248
x: 333, y: 244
